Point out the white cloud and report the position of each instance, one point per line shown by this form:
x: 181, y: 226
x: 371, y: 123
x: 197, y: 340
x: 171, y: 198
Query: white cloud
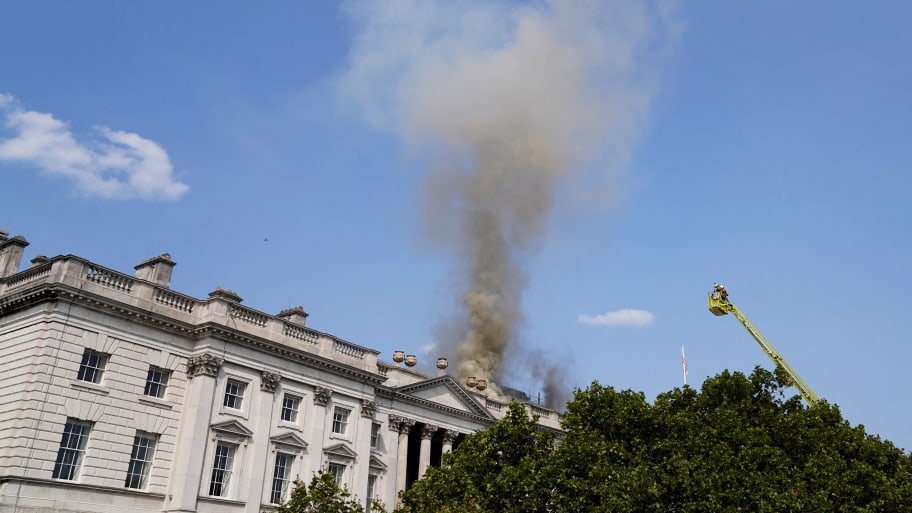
x: 121, y: 165
x: 623, y: 317
x: 428, y: 348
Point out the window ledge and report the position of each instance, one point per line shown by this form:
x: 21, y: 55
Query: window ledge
x: 290, y: 425
x: 241, y: 414
x: 91, y: 387
x: 221, y: 500
x: 155, y: 401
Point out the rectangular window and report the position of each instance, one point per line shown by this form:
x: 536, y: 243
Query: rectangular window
x: 140, y: 460
x: 156, y: 381
x: 337, y: 470
x: 340, y: 420
x: 290, y: 406
x: 92, y: 366
x: 72, y: 448
x: 280, y: 477
x: 375, y: 435
x: 221, y: 469
x: 371, y: 484
x: 234, y: 394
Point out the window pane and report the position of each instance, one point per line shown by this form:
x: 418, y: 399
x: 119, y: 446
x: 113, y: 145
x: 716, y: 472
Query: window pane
x: 221, y: 469
x: 72, y: 448
x: 338, y: 470
x: 92, y: 366
x: 340, y: 420
x: 280, y: 477
x: 140, y: 460
x: 290, y: 405
x: 375, y: 435
x: 156, y: 381
x: 234, y: 394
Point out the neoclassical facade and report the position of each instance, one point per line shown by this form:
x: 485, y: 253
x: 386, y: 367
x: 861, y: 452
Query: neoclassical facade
x: 118, y: 393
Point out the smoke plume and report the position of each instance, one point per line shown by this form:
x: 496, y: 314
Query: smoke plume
x: 506, y: 100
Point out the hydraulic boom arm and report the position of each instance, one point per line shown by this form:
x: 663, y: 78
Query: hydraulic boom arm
x: 719, y: 305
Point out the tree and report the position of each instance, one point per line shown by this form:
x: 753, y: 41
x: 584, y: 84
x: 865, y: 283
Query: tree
x: 323, y: 495
x: 740, y: 443
x: 502, y: 469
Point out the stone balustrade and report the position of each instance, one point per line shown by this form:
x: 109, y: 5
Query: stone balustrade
x: 160, y: 300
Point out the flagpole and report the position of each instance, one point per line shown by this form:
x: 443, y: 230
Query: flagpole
x: 684, y: 363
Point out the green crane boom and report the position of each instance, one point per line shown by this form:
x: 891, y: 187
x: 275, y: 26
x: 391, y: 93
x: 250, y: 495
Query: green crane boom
x: 720, y: 305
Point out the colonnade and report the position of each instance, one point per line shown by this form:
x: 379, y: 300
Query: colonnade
x: 401, y: 428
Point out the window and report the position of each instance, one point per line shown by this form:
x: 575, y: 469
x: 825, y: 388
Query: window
x: 234, y: 394
x: 280, y: 477
x: 337, y: 470
x: 140, y: 460
x: 221, y: 469
x: 340, y: 420
x: 290, y: 406
x: 156, y: 381
x: 72, y: 447
x: 92, y: 366
x: 375, y: 435
x: 371, y: 484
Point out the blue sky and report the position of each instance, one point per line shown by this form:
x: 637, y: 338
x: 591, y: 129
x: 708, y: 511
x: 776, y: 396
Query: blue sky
x: 764, y: 145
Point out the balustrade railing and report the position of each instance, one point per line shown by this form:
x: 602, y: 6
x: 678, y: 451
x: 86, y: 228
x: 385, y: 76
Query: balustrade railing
x: 248, y: 315
x: 494, y: 405
x: 174, y: 300
x: 32, y: 275
x: 543, y: 413
x: 300, y: 333
x: 340, y: 346
x: 109, y: 278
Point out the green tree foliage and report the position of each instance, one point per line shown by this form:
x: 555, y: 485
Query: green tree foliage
x: 503, y: 468
x: 323, y: 496
x: 738, y: 444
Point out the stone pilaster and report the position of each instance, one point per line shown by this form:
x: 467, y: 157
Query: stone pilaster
x: 192, y: 436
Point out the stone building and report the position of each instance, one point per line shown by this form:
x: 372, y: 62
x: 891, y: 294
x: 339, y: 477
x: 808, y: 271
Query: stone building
x: 120, y: 394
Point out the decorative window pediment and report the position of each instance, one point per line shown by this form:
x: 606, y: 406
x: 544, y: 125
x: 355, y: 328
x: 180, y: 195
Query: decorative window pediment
x: 340, y: 451
x: 289, y: 442
x: 231, y: 429
x: 377, y: 464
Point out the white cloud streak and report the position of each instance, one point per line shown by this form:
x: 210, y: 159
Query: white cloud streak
x: 623, y: 317
x: 118, y: 165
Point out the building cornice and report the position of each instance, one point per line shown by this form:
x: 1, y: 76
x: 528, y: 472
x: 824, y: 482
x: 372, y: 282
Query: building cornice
x: 43, y: 292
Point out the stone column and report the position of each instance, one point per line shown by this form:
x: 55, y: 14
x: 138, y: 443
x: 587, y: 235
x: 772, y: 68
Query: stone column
x: 192, y: 437
x: 317, y: 432
x: 402, y: 460
x: 449, y: 436
x: 392, y: 462
x: 424, y: 457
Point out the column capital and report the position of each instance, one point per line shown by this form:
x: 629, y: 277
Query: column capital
x: 449, y: 436
x: 405, y: 425
x: 394, y: 421
x: 205, y: 364
x: 427, y: 432
x: 322, y: 395
x: 269, y: 381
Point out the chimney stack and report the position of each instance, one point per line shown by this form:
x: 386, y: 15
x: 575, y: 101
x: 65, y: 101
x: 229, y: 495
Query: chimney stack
x: 156, y: 269
x: 10, y: 253
x: 295, y: 315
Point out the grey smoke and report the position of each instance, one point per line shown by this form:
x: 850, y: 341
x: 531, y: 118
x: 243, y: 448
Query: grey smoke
x: 507, y: 100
